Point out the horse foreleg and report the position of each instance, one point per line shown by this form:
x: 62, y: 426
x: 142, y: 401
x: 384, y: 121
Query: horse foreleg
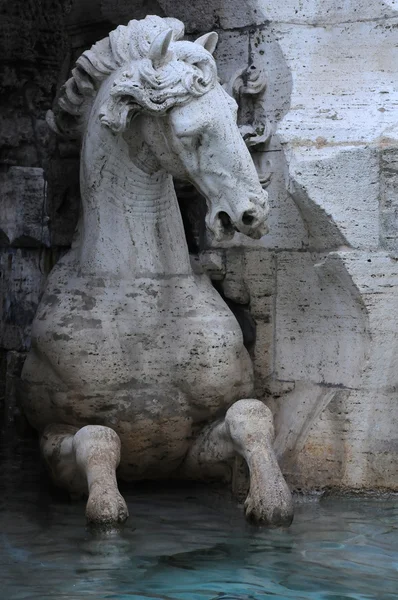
x: 84, y: 461
x: 247, y: 431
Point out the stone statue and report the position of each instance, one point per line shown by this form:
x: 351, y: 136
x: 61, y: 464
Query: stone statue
x: 136, y: 361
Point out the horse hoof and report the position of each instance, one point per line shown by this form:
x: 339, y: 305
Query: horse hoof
x: 263, y: 507
x: 259, y: 514
x: 106, y: 507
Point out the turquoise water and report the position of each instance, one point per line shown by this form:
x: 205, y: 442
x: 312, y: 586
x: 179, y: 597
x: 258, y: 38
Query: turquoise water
x: 189, y: 544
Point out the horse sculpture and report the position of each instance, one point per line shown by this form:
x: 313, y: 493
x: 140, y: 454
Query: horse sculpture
x: 137, y: 364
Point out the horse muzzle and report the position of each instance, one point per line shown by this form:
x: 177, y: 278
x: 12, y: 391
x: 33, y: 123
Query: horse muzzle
x: 251, y: 222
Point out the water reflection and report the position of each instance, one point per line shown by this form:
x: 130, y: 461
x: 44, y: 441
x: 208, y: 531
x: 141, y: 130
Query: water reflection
x: 189, y: 545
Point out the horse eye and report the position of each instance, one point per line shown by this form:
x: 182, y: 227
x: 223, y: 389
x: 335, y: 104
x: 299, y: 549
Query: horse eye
x: 194, y: 140
x: 197, y: 141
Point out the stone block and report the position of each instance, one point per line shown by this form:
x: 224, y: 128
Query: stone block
x: 389, y: 230
x: 23, y: 218
x: 337, y: 192
x: 260, y: 280
x: 331, y: 436
x: 218, y: 14
x: 63, y: 200
x: 12, y: 410
x: 296, y: 407
x: 120, y: 12
x: 201, y: 16
x: 266, y: 53
x: 23, y: 275
x: 321, y: 459
x: 321, y: 322
x: 372, y: 439
x: 3, y: 372
x: 375, y: 275
x: 331, y: 102
x: 16, y: 134
x: 286, y: 225
x: 250, y: 280
x: 234, y: 14
x: 263, y: 355
x: 234, y: 285
x: 389, y: 200
x: 320, y: 12
x: 33, y: 45
x: 353, y: 444
x: 213, y: 263
x: 232, y: 53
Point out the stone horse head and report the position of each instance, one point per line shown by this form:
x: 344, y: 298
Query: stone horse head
x: 185, y: 122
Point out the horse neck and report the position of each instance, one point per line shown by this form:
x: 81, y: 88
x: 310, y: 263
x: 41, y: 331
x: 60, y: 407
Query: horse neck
x: 132, y: 224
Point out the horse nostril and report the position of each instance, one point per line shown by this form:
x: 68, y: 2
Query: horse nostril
x: 247, y: 218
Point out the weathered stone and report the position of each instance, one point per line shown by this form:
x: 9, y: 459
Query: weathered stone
x: 202, y: 16
x: 335, y: 328
x: 213, y: 263
x: 23, y: 275
x: 297, y: 405
x: 331, y: 102
x: 205, y: 15
x: 324, y: 12
x: 263, y: 353
x: 260, y: 278
x: 336, y: 436
x: 337, y: 192
x: 234, y: 286
x: 3, y: 373
x: 63, y: 200
x: 33, y: 45
x: 321, y: 322
x: 389, y: 200
x: 250, y: 279
x: 353, y: 444
x: 12, y: 408
x: 23, y: 207
x: 375, y: 275
x: 232, y: 53
x: 120, y: 11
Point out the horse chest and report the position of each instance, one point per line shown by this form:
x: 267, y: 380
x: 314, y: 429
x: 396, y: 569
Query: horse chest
x: 174, y: 331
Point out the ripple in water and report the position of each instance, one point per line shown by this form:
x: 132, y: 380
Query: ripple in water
x: 189, y: 545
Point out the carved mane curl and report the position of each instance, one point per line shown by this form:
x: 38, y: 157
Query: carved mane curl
x: 143, y: 84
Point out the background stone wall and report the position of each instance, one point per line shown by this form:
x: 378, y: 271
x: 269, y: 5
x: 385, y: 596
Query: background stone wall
x: 320, y: 290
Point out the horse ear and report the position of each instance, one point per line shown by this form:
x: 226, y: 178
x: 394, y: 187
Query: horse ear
x: 159, y: 47
x: 208, y: 41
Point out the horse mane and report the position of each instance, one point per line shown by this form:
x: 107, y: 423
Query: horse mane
x: 145, y: 85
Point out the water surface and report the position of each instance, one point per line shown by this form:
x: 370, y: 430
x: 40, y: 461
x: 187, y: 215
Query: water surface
x: 189, y: 544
